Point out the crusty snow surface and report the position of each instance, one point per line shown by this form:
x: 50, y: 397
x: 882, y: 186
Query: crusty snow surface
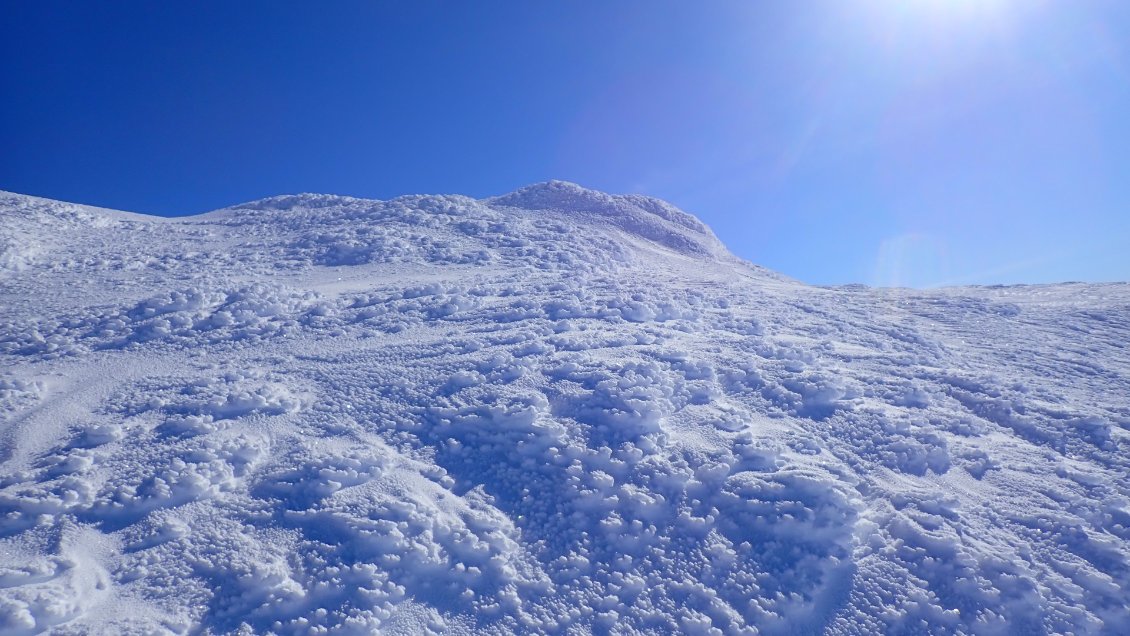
x: 554, y: 411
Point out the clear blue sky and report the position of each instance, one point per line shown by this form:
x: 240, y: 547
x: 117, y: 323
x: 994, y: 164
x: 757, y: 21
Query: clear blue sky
x: 910, y: 142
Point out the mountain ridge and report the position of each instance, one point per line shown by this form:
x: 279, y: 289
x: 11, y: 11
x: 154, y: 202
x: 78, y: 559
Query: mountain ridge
x: 637, y: 215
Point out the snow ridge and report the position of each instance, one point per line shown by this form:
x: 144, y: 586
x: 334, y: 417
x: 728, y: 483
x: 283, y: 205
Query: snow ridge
x: 647, y: 217
x: 553, y: 411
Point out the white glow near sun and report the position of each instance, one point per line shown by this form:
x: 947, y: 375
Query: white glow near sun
x: 944, y: 24
x: 961, y: 10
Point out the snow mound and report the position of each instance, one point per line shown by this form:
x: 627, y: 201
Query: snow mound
x: 647, y: 217
x: 555, y: 411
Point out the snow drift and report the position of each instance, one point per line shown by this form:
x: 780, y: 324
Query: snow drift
x: 553, y: 411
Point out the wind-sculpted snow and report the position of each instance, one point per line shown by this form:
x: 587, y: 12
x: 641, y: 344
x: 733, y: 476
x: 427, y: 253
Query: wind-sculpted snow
x: 646, y: 217
x: 555, y: 411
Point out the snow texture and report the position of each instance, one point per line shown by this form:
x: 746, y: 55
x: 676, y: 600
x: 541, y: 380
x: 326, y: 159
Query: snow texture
x: 554, y: 411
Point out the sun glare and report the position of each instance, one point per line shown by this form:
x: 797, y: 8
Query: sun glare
x: 964, y: 11
x: 939, y: 31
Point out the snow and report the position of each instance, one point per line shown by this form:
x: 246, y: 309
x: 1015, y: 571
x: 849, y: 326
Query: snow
x: 553, y: 411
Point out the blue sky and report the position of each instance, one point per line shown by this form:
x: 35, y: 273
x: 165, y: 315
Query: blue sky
x: 908, y: 142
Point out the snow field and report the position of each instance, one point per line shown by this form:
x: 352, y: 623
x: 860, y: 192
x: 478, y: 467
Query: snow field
x: 556, y: 411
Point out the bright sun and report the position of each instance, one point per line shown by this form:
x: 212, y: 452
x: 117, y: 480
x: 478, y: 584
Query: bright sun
x: 961, y: 10
x: 944, y: 21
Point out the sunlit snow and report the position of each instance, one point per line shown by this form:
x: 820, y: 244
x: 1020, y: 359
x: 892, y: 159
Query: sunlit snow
x: 554, y: 411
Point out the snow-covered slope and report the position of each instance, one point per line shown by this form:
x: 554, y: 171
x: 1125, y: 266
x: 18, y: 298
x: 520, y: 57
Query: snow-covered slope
x: 554, y: 411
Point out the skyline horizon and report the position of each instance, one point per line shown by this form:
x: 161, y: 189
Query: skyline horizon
x: 911, y: 144
x: 722, y: 239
